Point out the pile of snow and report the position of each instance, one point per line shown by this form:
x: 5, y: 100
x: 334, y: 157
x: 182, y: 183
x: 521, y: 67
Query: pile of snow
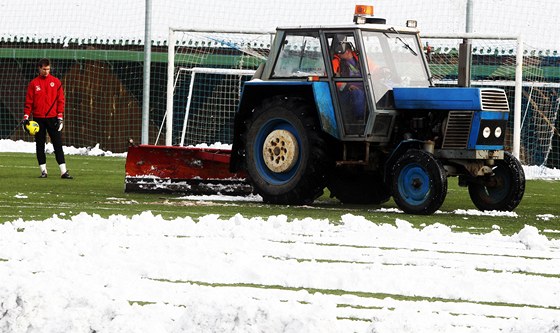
x: 541, y: 172
x: 217, y: 145
x: 20, y: 146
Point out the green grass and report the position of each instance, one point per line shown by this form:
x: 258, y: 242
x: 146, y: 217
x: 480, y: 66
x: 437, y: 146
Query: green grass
x: 98, y: 188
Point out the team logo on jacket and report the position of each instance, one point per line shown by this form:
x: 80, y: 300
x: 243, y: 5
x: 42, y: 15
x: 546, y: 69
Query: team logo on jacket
x: 37, y: 88
x: 52, y: 84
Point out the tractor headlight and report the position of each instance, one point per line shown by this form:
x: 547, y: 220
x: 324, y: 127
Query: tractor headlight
x: 491, y: 132
x: 498, y: 132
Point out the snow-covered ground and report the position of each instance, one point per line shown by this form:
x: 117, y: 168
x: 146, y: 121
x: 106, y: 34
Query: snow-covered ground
x: 84, y: 273
x: 145, y: 274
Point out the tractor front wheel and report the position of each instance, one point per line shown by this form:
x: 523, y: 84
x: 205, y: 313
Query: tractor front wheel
x: 286, y: 157
x: 503, y: 190
x: 419, y: 182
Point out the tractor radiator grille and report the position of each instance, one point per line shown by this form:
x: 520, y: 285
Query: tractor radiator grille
x: 457, y: 130
x: 494, y: 100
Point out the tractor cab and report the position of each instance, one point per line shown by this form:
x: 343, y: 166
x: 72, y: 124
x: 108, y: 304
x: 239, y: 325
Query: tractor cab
x: 357, y: 65
x: 384, y: 58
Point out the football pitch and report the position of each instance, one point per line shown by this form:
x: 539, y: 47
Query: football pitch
x: 98, y: 188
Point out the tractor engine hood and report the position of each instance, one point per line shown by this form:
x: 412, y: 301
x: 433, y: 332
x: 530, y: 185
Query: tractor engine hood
x: 461, y: 99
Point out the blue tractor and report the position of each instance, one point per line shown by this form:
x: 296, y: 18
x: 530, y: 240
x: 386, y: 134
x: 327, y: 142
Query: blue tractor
x: 372, y: 129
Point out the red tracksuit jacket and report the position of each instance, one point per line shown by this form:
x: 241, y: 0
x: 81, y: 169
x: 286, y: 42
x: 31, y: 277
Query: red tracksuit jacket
x: 41, y: 94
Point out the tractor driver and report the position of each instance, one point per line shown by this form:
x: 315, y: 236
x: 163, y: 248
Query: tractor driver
x: 351, y: 94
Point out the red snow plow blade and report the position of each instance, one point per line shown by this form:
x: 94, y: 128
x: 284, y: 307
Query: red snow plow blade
x: 189, y: 170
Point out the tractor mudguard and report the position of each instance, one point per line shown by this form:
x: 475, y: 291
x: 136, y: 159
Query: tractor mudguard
x: 397, y: 152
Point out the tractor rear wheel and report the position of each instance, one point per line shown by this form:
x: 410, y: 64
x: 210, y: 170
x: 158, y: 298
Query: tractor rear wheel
x: 286, y: 156
x: 419, y: 182
x: 503, y: 190
x: 358, y: 187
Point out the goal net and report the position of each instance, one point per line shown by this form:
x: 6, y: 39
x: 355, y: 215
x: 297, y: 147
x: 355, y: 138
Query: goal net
x: 206, y: 73
x: 494, y: 65
x: 212, y: 98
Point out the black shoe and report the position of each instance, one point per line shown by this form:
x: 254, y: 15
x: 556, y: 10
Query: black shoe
x: 66, y: 175
x: 43, y: 175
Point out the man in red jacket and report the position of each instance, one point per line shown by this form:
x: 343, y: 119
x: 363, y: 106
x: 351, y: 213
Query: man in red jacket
x: 45, y: 102
x: 352, y: 96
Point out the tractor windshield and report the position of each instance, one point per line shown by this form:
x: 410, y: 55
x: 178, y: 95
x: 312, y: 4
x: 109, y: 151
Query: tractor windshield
x: 300, y: 56
x: 394, y: 60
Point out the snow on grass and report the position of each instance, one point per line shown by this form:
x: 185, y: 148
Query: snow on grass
x: 545, y: 217
x: 248, y: 198
x: 475, y: 212
x: 86, y: 273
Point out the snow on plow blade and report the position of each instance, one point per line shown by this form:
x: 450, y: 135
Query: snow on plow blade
x: 189, y: 170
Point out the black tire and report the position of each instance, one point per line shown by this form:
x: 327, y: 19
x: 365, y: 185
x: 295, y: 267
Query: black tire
x: 358, y: 187
x: 292, y: 167
x: 503, y: 190
x: 418, y: 182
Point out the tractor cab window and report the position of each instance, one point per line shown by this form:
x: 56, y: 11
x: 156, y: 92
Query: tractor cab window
x: 300, y: 56
x: 348, y: 80
x: 345, y: 60
x: 394, y: 60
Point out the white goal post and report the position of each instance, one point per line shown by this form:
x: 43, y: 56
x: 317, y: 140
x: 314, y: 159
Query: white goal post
x: 204, y: 70
x: 248, y: 42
